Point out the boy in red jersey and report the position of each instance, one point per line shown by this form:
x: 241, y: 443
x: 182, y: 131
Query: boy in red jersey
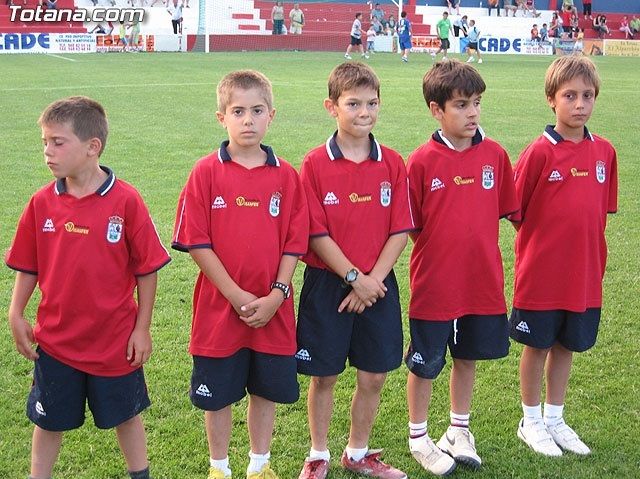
x: 460, y: 184
x: 349, y: 305
x: 243, y: 218
x: 566, y: 182
x: 87, y: 241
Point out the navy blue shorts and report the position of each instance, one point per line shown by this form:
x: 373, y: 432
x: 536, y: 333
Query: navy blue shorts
x: 59, y: 394
x: 471, y: 337
x: 444, y: 43
x: 218, y: 382
x: 356, y: 41
x: 372, y: 341
x: 541, y: 329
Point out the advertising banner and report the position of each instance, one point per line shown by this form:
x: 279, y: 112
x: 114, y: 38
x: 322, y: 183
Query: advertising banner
x: 623, y: 48
x: 47, y: 43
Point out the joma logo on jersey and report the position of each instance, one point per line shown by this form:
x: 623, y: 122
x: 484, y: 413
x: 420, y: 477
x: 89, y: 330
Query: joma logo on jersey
x: 242, y: 201
x: 577, y: 172
x: 461, y: 180
x: 71, y: 228
x: 356, y: 198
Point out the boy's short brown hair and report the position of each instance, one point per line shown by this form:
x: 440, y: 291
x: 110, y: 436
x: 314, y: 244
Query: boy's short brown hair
x: 350, y: 75
x: 86, y: 116
x: 243, y: 80
x: 567, y: 68
x: 447, y: 77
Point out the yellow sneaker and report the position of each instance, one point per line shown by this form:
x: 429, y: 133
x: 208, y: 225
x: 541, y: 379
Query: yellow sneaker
x: 215, y: 473
x: 265, y: 473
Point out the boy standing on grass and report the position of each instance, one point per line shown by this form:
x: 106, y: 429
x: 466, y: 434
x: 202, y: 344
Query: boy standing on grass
x: 567, y: 183
x: 460, y: 185
x: 87, y: 241
x: 243, y: 218
x: 444, y: 28
x: 356, y: 38
x: 349, y: 305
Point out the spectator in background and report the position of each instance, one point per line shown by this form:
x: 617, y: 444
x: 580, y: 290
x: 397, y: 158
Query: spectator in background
x: 575, y: 24
x: 568, y: 4
x: 176, y: 17
x: 356, y: 37
x: 444, y: 28
x: 277, y: 17
x: 454, y: 4
x: 544, y: 33
x: 473, y: 34
x: 296, y: 17
x: 377, y: 26
x: 634, y: 24
x: 600, y: 26
x: 566, y: 21
x: 555, y: 27
x: 624, y: 27
x: 535, y: 35
x: 530, y: 7
x: 404, y: 36
x: 493, y: 4
x: 391, y: 26
x: 378, y: 13
x: 578, y: 46
x: 508, y: 6
x: 586, y: 9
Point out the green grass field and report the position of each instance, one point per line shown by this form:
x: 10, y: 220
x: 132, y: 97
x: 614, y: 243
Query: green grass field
x: 161, y: 110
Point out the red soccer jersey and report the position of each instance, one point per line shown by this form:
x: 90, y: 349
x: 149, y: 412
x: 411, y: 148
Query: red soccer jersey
x: 359, y: 205
x: 87, y: 253
x: 457, y: 199
x: 250, y: 218
x: 565, y: 191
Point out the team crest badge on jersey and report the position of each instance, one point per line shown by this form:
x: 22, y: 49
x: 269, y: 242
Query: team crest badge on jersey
x: 114, y: 230
x: 600, y: 172
x: 274, y: 204
x: 385, y: 193
x: 488, y: 180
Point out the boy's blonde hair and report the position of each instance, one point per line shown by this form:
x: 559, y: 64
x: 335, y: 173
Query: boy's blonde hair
x: 86, y: 116
x: 351, y: 75
x: 447, y: 77
x: 567, y: 68
x: 243, y: 80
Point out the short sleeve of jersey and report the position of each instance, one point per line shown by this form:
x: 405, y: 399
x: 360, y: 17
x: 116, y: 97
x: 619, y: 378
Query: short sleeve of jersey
x: 415, y: 173
x: 613, y: 185
x: 22, y: 255
x: 298, y: 233
x: 526, y: 174
x: 191, y: 229
x: 508, y: 203
x: 401, y: 220
x: 147, y: 252
x: 318, y: 225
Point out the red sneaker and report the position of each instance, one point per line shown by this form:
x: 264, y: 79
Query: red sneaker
x: 371, y: 465
x: 314, y: 469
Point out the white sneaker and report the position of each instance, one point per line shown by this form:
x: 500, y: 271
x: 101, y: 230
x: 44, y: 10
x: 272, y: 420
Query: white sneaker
x: 471, y: 60
x: 480, y: 61
x: 433, y: 55
x: 537, y: 437
x: 433, y: 459
x: 460, y: 444
x: 567, y: 439
x: 366, y: 56
x: 347, y: 56
x: 405, y: 59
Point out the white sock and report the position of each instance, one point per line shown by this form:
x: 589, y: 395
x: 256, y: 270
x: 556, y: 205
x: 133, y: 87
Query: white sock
x: 356, y: 454
x: 257, y: 461
x: 417, y: 434
x: 552, y: 414
x: 314, y: 454
x: 222, y: 464
x: 459, y: 420
x: 531, y: 413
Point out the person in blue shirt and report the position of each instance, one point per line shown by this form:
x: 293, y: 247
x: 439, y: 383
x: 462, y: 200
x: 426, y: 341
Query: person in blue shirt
x: 473, y: 35
x: 404, y: 36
